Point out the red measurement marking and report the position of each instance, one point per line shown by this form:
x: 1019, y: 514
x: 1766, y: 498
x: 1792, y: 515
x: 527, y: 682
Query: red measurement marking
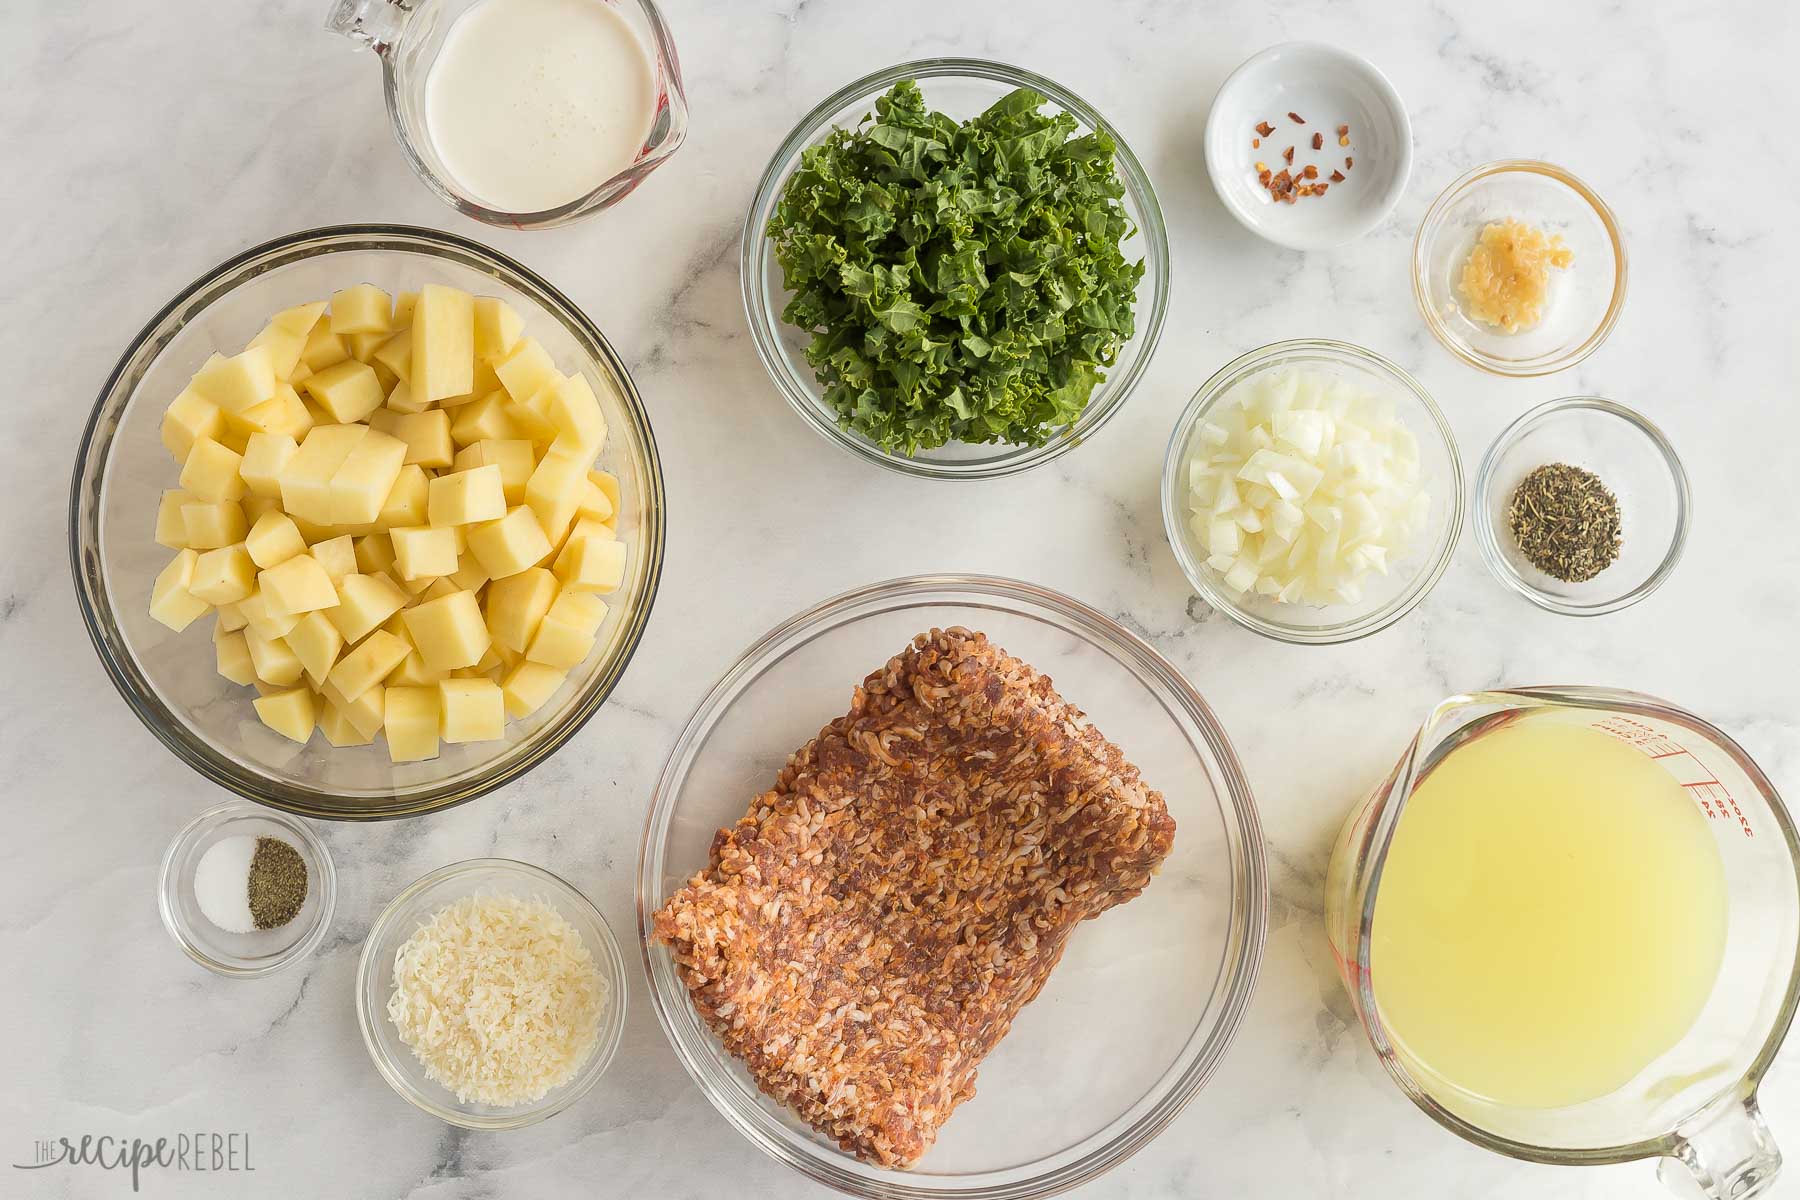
x: 1710, y: 795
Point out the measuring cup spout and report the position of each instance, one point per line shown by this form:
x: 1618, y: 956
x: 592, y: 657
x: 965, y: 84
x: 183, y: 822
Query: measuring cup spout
x: 1725, y: 1151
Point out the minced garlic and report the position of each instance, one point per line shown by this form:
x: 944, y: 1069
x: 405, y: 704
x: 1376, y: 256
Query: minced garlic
x: 1506, y: 279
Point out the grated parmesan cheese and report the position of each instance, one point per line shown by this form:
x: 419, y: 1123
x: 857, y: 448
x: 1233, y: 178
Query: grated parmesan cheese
x: 498, y: 998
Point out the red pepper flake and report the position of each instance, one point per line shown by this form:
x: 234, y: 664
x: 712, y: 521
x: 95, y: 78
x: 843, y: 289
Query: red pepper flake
x: 1264, y: 128
x: 1288, y: 155
x: 1343, y: 131
x: 1318, y: 141
x: 1256, y: 143
x: 1348, y: 162
x: 1337, y: 177
x: 1282, y: 187
x: 1320, y: 189
x: 1296, y: 118
x: 1311, y: 171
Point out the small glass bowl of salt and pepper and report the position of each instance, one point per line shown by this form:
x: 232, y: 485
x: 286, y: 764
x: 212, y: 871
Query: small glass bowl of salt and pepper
x: 247, y: 890
x: 1581, y: 506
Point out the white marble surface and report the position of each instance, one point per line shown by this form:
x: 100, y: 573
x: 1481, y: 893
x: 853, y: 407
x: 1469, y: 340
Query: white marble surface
x: 144, y: 143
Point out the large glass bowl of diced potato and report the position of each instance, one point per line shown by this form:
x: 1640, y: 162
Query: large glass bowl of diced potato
x: 367, y: 522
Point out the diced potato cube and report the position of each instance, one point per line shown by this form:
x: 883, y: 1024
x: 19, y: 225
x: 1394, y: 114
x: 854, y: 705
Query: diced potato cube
x: 170, y: 601
x: 171, y: 530
x: 594, y: 504
x: 411, y: 723
x: 337, y: 555
x: 565, y: 637
x: 306, y: 480
x: 418, y: 586
x: 274, y: 661
x: 449, y: 633
x: 290, y: 414
x: 288, y: 713
x: 426, y: 434
x: 526, y: 368
x: 554, y: 491
x: 284, y: 346
x: 474, y: 710
x: 273, y: 540
x: 210, y: 526
x: 465, y: 497
x: 412, y: 672
x: 404, y: 304
x: 363, y: 308
x: 264, y: 457
x: 469, y: 575
x: 375, y: 554
x: 531, y: 417
x: 408, y: 501
x: 366, y: 666
x: 424, y: 552
x: 299, y: 585
x: 234, y: 437
x: 348, y: 390
x: 443, y: 343
x: 338, y: 728
x: 438, y: 588
x: 257, y: 616
x: 514, y: 457
x: 211, y: 472
x: 575, y: 412
x: 594, y: 564
x: 585, y: 527
x: 509, y: 545
x: 609, y: 488
x: 360, y: 486
x: 529, y: 686
x: 364, y: 602
x: 497, y: 328
x: 240, y: 382
x: 234, y: 658
x: 483, y: 420
x: 231, y: 618
x: 400, y: 399
x: 256, y: 506
x: 364, y: 713
x: 300, y: 318
x: 516, y: 604
x: 316, y: 642
x: 224, y: 576
x: 190, y: 417
x: 396, y: 355
x: 323, y: 348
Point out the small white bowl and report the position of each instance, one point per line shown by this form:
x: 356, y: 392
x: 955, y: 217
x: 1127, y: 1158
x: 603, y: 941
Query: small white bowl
x: 1328, y: 87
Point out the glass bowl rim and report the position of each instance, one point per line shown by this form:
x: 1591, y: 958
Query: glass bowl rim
x: 1485, y: 481
x: 1241, y: 957
x: 1210, y: 394
x: 608, y: 959
x: 1433, y: 218
x: 764, y: 321
x: 213, y: 818
x: 122, y: 667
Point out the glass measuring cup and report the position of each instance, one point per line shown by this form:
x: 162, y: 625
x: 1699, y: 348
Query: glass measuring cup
x: 407, y: 35
x: 1695, y: 1105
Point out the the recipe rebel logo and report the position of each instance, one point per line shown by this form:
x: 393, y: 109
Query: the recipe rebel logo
x: 188, y: 1153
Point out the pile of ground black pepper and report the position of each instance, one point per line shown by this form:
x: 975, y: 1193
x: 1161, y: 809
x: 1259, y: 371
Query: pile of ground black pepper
x: 277, y: 883
x: 1566, y: 521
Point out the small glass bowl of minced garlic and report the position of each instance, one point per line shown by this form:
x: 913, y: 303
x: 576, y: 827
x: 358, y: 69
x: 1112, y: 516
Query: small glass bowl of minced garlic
x: 1519, y: 269
x: 246, y: 890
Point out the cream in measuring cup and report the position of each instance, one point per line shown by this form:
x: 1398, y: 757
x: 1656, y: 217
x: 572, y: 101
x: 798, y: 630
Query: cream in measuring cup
x: 532, y: 104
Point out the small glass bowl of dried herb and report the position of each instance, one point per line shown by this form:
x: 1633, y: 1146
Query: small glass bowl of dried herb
x: 1582, y: 506
x: 290, y: 890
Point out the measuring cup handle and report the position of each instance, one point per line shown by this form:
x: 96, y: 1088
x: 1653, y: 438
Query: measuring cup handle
x: 1725, y: 1150
x: 377, y: 24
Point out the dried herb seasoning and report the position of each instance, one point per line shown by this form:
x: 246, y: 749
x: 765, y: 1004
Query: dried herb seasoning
x: 277, y: 883
x: 1566, y: 522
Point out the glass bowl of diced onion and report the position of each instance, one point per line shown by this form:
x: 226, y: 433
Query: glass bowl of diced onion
x: 1312, y: 492
x: 171, y: 680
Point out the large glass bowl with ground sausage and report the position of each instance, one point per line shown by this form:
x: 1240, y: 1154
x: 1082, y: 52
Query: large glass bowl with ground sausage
x: 1146, y: 998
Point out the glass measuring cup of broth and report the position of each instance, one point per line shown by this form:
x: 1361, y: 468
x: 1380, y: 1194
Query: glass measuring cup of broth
x: 525, y: 113
x: 1569, y: 922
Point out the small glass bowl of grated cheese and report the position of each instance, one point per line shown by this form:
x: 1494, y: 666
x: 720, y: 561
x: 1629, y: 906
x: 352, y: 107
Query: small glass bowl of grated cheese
x: 1312, y: 492
x: 491, y: 994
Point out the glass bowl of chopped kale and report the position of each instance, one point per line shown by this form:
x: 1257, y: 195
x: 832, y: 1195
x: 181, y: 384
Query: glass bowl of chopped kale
x: 955, y: 268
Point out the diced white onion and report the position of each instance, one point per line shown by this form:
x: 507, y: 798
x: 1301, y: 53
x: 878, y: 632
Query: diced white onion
x: 1301, y: 485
